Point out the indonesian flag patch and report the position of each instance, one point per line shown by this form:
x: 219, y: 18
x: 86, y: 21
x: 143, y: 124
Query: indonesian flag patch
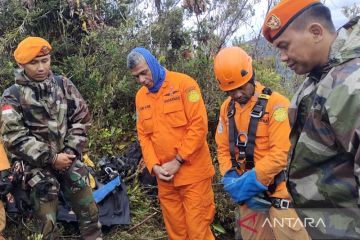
x: 7, y: 109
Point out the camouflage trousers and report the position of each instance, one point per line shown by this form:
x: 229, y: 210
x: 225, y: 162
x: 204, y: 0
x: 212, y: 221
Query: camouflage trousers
x: 74, y: 185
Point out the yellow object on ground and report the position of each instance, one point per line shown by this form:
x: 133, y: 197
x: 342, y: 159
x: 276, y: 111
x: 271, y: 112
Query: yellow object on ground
x: 91, y: 164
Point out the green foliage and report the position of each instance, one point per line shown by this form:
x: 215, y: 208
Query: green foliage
x: 267, y: 76
x: 35, y: 236
x: 200, y: 67
x: 91, y: 39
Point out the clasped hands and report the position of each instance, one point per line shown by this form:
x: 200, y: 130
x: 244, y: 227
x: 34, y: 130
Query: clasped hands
x: 166, y: 171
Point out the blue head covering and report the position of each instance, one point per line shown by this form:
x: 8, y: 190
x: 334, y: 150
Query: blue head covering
x: 157, y: 71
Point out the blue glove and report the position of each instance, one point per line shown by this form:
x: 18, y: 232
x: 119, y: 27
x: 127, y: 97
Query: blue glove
x: 258, y: 203
x: 242, y: 187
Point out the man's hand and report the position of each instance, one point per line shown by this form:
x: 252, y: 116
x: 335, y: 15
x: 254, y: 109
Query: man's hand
x: 63, y: 161
x: 172, y: 167
x: 162, y: 174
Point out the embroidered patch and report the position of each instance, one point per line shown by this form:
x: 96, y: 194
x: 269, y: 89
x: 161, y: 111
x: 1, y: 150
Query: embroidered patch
x: 220, y: 127
x: 44, y: 51
x: 280, y: 115
x: 273, y: 22
x: 193, y: 96
x: 7, y: 109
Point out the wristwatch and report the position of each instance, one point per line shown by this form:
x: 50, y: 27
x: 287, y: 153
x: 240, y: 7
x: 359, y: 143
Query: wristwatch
x: 178, y: 158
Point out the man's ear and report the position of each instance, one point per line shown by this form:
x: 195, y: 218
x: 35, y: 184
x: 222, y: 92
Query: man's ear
x: 317, y: 31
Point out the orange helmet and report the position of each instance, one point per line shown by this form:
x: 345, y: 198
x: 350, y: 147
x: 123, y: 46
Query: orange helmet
x: 233, y: 68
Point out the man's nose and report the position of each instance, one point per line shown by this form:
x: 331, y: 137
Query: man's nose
x: 41, y: 67
x: 236, y: 94
x: 142, y: 79
x: 284, y: 57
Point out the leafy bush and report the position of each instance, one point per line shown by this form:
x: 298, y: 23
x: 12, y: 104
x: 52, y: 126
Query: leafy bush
x: 91, y: 40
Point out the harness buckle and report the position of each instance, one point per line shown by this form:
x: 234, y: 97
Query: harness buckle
x: 231, y: 113
x: 257, y: 111
x: 239, y: 141
x: 240, y: 166
x: 284, y: 204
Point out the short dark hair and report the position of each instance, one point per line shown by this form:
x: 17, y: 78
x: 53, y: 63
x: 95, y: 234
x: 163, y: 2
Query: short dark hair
x: 319, y: 13
x: 133, y: 59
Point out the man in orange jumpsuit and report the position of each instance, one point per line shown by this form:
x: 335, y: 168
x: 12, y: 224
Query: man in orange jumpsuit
x: 253, y: 141
x: 4, y: 187
x: 172, y: 129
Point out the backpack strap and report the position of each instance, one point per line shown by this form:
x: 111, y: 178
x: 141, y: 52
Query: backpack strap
x: 59, y: 80
x: 351, y: 23
x: 15, y: 90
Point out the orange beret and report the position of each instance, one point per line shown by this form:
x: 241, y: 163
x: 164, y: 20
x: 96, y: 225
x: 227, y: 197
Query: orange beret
x: 31, y: 47
x: 280, y: 17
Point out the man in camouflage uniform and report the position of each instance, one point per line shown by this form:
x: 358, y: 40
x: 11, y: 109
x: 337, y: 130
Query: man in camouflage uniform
x: 324, y: 160
x: 44, y: 123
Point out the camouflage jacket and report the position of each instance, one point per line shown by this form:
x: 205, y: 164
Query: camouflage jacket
x: 324, y: 160
x: 44, y: 120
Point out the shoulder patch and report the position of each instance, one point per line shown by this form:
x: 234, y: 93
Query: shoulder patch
x: 280, y: 115
x: 193, y: 96
x: 220, y: 128
x: 7, y: 109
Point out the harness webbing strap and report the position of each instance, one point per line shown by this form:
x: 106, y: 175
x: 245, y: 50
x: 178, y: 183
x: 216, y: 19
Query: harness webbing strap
x: 232, y: 133
x: 246, y: 149
x: 257, y: 112
x: 280, y: 177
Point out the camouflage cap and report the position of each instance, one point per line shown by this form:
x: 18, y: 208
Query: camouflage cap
x: 280, y: 17
x: 31, y: 47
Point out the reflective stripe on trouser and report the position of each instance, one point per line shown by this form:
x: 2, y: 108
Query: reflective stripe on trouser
x: 188, y: 210
x: 272, y: 225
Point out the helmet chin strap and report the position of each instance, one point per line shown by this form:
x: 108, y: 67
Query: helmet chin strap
x: 252, y: 79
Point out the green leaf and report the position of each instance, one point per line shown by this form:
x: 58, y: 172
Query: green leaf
x: 219, y: 228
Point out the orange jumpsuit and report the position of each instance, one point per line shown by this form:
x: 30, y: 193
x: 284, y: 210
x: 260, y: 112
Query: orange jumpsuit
x: 4, y: 164
x: 174, y: 121
x: 4, y: 161
x: 270, y: 155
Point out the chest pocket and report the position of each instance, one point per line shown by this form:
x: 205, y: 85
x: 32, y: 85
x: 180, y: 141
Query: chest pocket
x: 147, y: 121
x: 174, y: 113
x: 262, y: 136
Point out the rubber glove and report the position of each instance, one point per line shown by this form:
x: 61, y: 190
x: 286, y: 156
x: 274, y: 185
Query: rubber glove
x: 258, y: 203
x: 242, y: 187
